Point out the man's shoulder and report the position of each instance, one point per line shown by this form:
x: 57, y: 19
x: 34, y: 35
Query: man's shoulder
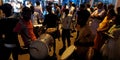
x: 52, y: 15
x: 9, y: 20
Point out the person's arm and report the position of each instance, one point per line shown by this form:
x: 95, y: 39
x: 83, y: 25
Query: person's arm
x: 102, y: 14
x: 32, y: 35
x: 93, y: 14
x: 41, y: 10
x: 17, y: 28
x: 38, y: 18
x: 45, y: 20
x: 103, y: 25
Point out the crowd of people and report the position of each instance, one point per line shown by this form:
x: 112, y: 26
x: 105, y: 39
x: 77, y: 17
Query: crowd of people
x: 97, y: 28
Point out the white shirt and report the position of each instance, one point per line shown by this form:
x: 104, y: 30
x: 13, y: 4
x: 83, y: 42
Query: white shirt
x: 66, y: 22
x: 35, y: 16
x: 100, y: 12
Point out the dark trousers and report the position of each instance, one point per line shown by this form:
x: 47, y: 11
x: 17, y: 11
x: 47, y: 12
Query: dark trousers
x: 97, y: 55
x: 66, y: 35
x: 6, y: 52
x: 47, y: 58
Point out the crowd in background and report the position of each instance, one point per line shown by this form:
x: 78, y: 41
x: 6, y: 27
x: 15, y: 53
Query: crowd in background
x: 97, y: 28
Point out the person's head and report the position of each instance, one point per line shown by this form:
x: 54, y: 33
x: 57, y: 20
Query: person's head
x: 82, y: 6
x: 50, y: 3
x: 66, y: 12
x: 110, y: 6
x: 32, y: 9
x: 87, y: 5
x: 70, y: 3
x: 105, y: 7
x: 100, y: 5
x: 49, y: 9
x: 85, y: 16
x: 118, y: 10
x: 56, y: 5
x: 7, y: 9
x: 73, y: 5
x: 37, y: 3
x: 26, y: 13
x: 65, y: 4
x: 111, y: 13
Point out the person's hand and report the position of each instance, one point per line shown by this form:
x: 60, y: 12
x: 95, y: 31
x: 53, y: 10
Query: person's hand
x: 96, y: 15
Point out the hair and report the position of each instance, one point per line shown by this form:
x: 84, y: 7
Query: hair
x: 105, y: 7
x: 56, y: 4
x: 49, y: 9
x: 100, y: 5
x: 88, y: 5
x: 26, y: 13
x: 82, y: 5
x: 110, y: 6
x: 32, y: 9
x: 85, y: 15
x: 37, y: 3
x: 7, y: 9
x: 66, y: 12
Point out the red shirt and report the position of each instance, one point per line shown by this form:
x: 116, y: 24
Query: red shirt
x: 26, y: 29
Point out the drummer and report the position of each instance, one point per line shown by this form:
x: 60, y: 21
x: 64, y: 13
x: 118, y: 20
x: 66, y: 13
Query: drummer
x: 25, y: 27
x: 50, y: 21
x: 35, y: 21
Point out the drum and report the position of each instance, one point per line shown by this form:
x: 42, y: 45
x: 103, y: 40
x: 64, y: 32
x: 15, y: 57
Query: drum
x: 52, y: 31
x: 39, y: 49
x: 38, y: 29
x: 68, y: 52
x: 47, y: 39
x: 37, y: 25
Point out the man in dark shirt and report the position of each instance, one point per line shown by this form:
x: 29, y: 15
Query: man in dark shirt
x: 10, y: 43
x: 51, y: 21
